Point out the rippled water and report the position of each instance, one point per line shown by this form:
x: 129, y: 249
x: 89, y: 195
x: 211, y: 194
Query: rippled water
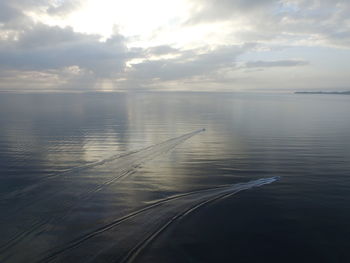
x: 134, y: 177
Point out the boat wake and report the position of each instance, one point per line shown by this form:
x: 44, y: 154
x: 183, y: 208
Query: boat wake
x: 134, y: 159
x: 37, y: 228
x: 125, y: 238
x: 39, y: 207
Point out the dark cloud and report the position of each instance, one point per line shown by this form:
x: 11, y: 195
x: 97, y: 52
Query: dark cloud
x: 279, y: 63
x: 45, y: 47
x: 43, y: 36
x: 12, y: 17
x: 161, y: 50
x: 189, y: 64
x: 8, y: 13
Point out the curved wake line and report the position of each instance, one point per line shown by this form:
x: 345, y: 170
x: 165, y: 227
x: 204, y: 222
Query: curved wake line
x: 139, y: 248
x: 167, y: 211
x: 21, y: 192
x: 118, y: 221
x: 128, y: 163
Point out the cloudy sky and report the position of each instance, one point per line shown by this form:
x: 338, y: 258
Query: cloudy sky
x: 199, y: 45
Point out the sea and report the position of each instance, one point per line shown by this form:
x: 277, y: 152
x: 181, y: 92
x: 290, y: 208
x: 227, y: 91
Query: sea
x: 174, y: 177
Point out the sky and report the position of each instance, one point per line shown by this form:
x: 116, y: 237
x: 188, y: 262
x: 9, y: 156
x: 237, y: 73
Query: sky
x: 182, y: 45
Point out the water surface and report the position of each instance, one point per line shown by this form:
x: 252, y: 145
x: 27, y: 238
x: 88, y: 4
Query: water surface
x: 94, y: 176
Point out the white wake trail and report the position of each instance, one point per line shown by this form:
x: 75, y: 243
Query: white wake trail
x: 141, y: 156
x: 58, y: 196
x: 124, y: 239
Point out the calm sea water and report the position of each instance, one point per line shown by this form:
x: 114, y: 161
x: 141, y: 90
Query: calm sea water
x: 133, y: 177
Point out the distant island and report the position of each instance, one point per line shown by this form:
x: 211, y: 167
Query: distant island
x: 323, y: 92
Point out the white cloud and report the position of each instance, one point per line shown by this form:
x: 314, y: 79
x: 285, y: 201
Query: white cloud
x: 315, y: 22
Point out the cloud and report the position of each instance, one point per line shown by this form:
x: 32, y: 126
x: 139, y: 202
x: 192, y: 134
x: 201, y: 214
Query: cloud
x: 63, y: 8
x: 205, y: 49
x: 17, y: 15
x: 189, y: 64
x: 26, y: 45
x: 8, y: 13
x: 298, y: 22
x: 279, y: 63
x: 216, y: 10
x: 36, y: 54
x: 161, y: 50
x: 45, y: 47
x: 52, y: 7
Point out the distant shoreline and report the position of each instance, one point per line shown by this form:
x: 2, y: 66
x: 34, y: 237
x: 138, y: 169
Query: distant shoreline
x: 324, y: 92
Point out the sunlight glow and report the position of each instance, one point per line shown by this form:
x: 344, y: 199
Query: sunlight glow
x: 133, y: 17
x: 146, y: 23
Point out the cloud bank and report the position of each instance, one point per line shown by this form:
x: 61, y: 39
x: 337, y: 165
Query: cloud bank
x: 228, y: 39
